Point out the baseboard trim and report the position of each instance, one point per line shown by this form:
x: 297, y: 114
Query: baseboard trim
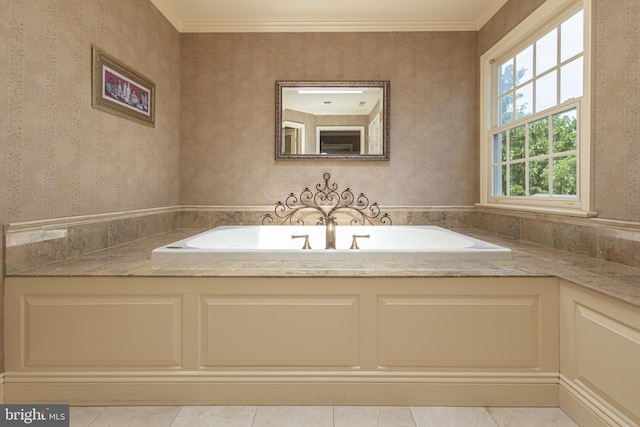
x: 586, y: 409
x: 320, y: 388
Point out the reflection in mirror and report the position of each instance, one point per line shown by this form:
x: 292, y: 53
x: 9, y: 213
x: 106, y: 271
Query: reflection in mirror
x: 343, y: 120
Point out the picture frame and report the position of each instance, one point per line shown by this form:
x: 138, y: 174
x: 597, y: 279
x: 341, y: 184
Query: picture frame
x: 120, y: 90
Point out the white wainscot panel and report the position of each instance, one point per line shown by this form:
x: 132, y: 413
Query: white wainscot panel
x: 464, y: 332
x: 281, y: 331
x: 102, y: 331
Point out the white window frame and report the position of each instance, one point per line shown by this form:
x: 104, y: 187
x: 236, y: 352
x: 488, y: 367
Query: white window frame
x: 550, y: 13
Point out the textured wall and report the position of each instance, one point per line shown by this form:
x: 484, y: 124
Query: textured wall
x: 616, y: 100
x: 59, y: 156
x: 506, y: 19
x: 228, y: 90
x: 62, y: 156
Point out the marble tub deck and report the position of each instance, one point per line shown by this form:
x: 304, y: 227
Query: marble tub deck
x: 529, y: 259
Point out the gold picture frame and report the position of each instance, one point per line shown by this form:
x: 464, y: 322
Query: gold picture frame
x: 120, y: 90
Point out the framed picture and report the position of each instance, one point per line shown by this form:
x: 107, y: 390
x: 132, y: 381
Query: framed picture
x: 119, y: 90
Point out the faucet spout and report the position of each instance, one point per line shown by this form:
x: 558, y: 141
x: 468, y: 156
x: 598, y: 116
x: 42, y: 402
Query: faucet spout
x: 331, y: 233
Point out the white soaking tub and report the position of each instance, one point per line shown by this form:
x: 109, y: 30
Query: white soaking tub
x: 275, y: 242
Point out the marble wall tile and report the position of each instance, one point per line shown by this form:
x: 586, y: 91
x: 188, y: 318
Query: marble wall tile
x: 537, y: 231
x: 189, y: 218
x: 29, y: 255
x: 150, y: 225
x: 575, y: 238
x: 452, y: 219
x: 231, y: 217
x: 85, y: 238
x: 123, y: 231
x: 623, y: 248
x: 500, y: 224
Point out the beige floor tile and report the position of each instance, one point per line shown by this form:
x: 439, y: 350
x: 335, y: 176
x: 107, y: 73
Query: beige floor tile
x: 372, y: 416
x: 82, y: 416
x: 136, y: 416
x: 434, y: 416
x: 531, y: 417
x: 294, y: 416
x: 215, y: 416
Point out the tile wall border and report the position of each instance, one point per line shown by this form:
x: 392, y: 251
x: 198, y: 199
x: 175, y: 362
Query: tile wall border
x: 32, y: 244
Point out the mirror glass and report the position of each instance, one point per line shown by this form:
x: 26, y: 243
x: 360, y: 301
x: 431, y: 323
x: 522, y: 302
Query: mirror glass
x: 338, y: 120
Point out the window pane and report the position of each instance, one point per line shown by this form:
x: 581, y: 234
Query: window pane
x: 500, y: 180
x: 524, y: 101
x: 547, y: 52
x: 564, y: 176
x: 506, y: 76
x: 565, y: 126
x: 546, y: 91
x: 516, y: 143
x: 517, y: 179
x: 505, y: 109
x: 539, y: 137
x: 524, y: 66
x: 500, y: 147
x: 571, y: 80
x: 539, y: 177
x: 572, y: 36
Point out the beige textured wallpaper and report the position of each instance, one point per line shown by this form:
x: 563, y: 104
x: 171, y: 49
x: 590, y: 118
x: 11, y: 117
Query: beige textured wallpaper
x: 62, y: 156
x: 616, y: 100
x: 228, y: 117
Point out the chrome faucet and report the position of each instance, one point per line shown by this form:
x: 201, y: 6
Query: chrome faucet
x: 331, y: 233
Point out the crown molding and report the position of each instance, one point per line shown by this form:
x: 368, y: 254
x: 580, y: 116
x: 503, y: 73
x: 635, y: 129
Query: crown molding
x: 322, y: 26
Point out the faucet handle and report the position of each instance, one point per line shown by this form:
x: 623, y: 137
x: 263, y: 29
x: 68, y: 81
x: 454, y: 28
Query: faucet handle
x: 354, y: 243
x: 306, y: 240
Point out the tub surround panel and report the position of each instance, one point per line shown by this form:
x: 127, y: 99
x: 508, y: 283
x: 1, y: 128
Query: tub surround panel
x: 70, y: 331
x: 238, y: 331
x: 514, y: 321
x: 244, y: 340
x: 599, y: 351
x: 38, y: 243
x: 616, y: 241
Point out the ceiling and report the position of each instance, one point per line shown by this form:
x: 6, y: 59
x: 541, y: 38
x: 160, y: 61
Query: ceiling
x: 211, y: 16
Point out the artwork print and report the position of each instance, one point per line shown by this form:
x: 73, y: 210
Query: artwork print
x: 119, y: 90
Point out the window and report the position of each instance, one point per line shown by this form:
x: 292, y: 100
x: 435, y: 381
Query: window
x: 535, y: 113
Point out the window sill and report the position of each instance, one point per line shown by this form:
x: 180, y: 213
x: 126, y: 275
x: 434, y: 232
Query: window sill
x: 539, y: 209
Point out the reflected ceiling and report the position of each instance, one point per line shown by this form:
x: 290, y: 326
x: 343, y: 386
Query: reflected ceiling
x: 327, y: 15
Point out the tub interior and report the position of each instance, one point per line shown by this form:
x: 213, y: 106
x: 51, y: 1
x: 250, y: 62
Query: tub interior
x: 275, y: 242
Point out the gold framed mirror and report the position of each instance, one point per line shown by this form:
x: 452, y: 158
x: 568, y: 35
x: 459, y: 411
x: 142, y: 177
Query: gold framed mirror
x: 336, y: 120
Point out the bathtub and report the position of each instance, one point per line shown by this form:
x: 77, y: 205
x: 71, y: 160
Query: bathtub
x: 275, y: 242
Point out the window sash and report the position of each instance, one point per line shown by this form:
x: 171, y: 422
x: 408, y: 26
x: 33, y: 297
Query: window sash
x: 548, y: 16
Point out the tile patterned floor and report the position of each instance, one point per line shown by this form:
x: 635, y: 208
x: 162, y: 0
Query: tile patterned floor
x: 315, y: 416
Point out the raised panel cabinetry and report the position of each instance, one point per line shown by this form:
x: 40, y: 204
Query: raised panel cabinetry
x: 599, y: 358
x: 282, y: 340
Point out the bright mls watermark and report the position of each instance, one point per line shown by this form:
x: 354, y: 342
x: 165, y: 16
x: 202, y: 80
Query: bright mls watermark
x: 34, y: 415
